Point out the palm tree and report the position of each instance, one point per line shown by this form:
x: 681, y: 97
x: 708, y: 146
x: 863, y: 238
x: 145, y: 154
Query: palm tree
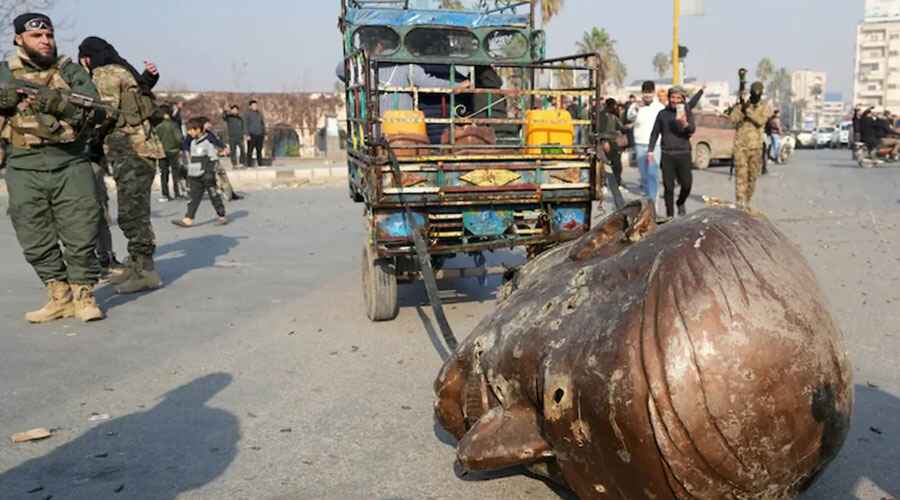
x: 780, y: 89
x: 662, y: 63
x: 597, y: 41
x: 765, y: 69
x: 550, y: 8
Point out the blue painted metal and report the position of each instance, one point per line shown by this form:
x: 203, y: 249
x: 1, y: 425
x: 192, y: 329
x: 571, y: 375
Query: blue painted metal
x: 488, y: 222
x: 393, y: 224
x: 567, y: 219
x: 399, y: 17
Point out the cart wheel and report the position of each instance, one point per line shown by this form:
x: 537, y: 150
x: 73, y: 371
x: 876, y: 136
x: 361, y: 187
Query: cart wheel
x: 379, y: 280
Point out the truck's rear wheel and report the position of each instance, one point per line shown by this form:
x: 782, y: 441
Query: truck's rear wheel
x: 379, y: 280
x: 702, y: 156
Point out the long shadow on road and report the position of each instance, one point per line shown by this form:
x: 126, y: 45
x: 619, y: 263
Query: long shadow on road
x: 179, y: 445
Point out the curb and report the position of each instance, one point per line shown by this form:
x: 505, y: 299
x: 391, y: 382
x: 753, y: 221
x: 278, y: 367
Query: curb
x: 263, y: 178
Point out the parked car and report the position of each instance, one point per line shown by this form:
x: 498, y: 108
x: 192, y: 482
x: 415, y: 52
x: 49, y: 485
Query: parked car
x: 805, y: 138
x: 713, y: 140
x: 841, y: 136
x: 823, y: 136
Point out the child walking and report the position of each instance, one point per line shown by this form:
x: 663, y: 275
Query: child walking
x: 202, y: 165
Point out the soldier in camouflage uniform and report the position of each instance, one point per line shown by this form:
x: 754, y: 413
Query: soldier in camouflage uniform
x: 132, y: 151
x: 750, y: 118
x: 49, y: 179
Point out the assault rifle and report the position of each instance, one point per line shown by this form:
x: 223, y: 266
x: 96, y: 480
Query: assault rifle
x: 82, y: 101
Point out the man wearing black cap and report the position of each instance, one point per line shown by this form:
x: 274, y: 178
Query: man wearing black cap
x: 131, y: 150
x: 52, y: 197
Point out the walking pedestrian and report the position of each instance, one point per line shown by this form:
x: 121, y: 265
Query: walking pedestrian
x: 234, y: 124
x: 169, y: 134
x: 255, y: 127
x: 644, y: 118
x: 774, y: 130
x: 610, y: 130
x: 674, y: 126
x: 202, y: 169
x: 751, y: 118
x: 52, y: 191
x: 131, y: 150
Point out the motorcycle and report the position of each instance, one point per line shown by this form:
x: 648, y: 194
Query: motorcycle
x: 869, y: 157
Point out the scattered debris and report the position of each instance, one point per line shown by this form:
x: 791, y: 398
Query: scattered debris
x: 119, y: 489
x: 286, y: 430
x: 292, y: 332
x: 870, y: 385
x: 256, y: 448
x: 98, y: 417
x: 876, y: 430
x: 354, y: 348
x: 32, y: 435
x: 101, y: 455
x: 35, y: 490
x: 333, y: 353
x: 306, y: 462
x: 251, y: 414
x: 109, y: 389
x: 404, y: 407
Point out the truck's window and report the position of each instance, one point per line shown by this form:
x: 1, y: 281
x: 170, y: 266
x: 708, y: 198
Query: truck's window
x: 376, y: 40
x: 506, y: 44
x: 440, y: 42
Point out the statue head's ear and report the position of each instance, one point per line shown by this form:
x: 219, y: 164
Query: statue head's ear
x: 503, y: 438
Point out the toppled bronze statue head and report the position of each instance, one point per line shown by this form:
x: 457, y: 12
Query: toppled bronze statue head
x: 697, y: 360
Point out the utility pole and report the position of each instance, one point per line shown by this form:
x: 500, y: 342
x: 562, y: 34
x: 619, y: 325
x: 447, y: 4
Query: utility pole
x: 676, y: 59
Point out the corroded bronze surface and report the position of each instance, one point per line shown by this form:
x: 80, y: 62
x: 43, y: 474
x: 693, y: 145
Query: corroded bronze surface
x: 697, y: 360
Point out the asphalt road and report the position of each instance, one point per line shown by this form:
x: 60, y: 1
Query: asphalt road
x: 254, y: 374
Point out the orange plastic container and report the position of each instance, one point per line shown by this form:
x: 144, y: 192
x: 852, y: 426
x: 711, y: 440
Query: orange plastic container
x: 548, y: 126
x: 403, y: 122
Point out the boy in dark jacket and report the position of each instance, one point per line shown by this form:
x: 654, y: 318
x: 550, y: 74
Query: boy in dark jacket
x: 674, y: 127
x: 203, y: 157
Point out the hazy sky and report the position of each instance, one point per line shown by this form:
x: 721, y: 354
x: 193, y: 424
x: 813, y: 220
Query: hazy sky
x: 294, y: 44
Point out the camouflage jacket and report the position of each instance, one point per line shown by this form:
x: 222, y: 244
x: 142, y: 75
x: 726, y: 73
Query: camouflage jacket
x: 39, y: 141
x: 119, y: 89
x: 750, y: 126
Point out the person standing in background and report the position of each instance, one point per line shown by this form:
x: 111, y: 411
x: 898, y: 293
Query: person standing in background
x: 643, y: 118
x: 255, y: 127
x: 169, y: 134
x: 234, y: 124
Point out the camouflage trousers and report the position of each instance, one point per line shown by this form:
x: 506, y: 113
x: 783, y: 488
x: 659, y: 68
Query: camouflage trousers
x: 134, y: 179
x: 747, y: 168
x: 56, y: 217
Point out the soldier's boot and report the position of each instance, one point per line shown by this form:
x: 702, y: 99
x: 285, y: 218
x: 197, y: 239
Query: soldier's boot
x: 60, y: 305
x: 117, y: 273
x: 142, y: 276
x: 86, y: 308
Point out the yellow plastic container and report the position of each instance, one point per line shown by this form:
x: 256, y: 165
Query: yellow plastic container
x: 548, y: 126
x: 403, y: 122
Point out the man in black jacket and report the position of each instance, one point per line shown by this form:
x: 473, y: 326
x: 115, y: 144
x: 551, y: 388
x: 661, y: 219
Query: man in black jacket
x: 235, y: 126
x: 675, y: 126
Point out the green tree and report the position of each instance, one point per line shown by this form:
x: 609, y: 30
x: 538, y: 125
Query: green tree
x: 780, y: 90
x: 765, y: 69
x: 597, y: 41
x: 662, y: 63
x: 550, y: 8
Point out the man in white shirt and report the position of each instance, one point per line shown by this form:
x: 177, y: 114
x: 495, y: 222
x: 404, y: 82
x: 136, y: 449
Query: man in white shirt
x: 644, y: 117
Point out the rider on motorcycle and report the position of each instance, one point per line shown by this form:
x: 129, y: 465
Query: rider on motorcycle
x: 888, y: 136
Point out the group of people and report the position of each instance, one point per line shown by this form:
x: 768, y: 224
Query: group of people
x: 877, y: 131
x: 659, y: 127
x: 59, y: 149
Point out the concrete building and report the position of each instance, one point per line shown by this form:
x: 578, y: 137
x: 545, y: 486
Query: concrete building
x: 877, y: 68
x: 808, y: 89
x: 834, y: 111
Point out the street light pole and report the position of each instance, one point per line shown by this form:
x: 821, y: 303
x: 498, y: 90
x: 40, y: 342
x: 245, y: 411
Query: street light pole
x: 676, y: 59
